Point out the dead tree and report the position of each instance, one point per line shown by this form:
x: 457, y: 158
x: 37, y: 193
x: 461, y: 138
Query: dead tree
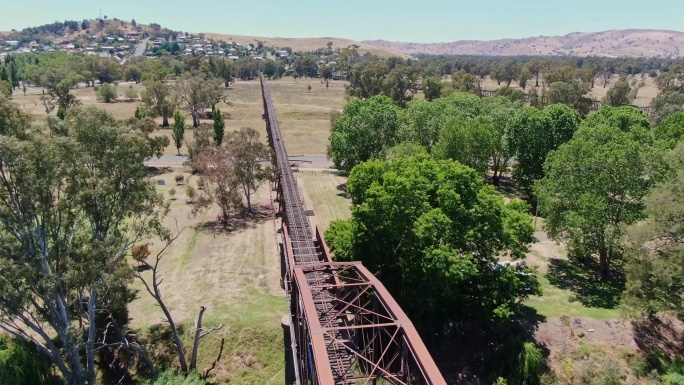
x: 199, y: 333
x: 153, y: 289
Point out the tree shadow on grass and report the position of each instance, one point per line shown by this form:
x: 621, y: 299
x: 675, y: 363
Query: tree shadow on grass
x: 343, y: 188
x: 510, y: 188
x: 478, y: 352
x: 238, y: 221
x: 583, y: 279
x: 156, y: 171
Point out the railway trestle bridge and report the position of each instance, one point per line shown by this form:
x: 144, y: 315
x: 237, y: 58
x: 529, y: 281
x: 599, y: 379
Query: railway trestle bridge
x: 343, y: 326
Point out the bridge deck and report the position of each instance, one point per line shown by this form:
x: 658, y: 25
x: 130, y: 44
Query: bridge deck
x: 347, y: 328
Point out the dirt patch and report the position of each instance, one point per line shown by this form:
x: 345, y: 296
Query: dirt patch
x: 565, y: 334
x: 581, y: 347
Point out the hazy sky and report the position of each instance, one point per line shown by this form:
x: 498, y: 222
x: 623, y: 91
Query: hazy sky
x: 404, y: 20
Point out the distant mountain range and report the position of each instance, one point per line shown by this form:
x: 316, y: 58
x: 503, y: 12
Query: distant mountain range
x: 613, y: 43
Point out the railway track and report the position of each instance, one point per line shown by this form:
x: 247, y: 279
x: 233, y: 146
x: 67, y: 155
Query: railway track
x: 344, y: 327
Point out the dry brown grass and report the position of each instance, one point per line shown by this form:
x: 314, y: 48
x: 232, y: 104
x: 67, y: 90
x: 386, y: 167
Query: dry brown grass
x: 644, y: 97
x: 304, y: 115
x: 211, y: 265
x: 234, y: 272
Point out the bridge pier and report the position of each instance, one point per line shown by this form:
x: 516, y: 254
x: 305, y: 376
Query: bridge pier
x: 287, y: 342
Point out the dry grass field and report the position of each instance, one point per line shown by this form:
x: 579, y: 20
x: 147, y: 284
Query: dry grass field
x: 644, y: 97
x: 304, y: 115
x: 234, y: 272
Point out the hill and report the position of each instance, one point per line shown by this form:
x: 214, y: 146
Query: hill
x: 613, y: 43
x: 306, y: 44
x: 58, y: 32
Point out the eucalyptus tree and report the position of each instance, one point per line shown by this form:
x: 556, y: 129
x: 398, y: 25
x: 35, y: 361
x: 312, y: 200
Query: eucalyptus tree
x: 73, y: 202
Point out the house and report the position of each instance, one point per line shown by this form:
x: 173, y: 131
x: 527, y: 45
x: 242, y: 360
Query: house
x: 12, y: 42
x: 233, y: 57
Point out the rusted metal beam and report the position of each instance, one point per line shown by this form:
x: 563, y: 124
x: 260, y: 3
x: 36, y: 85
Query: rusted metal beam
x: 346, y: 326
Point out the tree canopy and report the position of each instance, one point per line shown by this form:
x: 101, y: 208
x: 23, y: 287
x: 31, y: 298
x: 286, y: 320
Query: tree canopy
x: 534, y: 133
x: 595, y: 184
x: 364, y: 130
x: 655, y: 247
x: 670, y: 131
x: 625, y: 118
x: 432, y: 231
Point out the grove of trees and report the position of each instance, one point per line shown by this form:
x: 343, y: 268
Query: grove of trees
x: 593, y: 180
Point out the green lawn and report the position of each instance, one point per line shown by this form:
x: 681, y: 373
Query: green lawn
x: 556, y: 302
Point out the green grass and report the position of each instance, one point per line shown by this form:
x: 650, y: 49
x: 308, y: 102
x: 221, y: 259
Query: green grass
x: 556, y: 302
x: 321, y: 194
x: 250, y: 342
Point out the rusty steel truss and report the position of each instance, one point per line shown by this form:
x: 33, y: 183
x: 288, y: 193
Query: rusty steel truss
x: 344, y: 326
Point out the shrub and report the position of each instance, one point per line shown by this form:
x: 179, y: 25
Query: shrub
x: 530, y: 361
x: 200, y: 184
x: 172, y: 193
x: 609, y: 374
x: 23, y: 364
x: 190, y: 193
x: 179, y: 178
x: 106, y: 93
x: 131, y: 93
x: 520, y: 362
x: 169, y: 377
x: 548, y: 379
x: 61, y: 112
x: 673, y: 379
x: 638, y: 365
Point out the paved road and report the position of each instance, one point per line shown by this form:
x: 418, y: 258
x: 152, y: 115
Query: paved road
x: 140, y: 48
